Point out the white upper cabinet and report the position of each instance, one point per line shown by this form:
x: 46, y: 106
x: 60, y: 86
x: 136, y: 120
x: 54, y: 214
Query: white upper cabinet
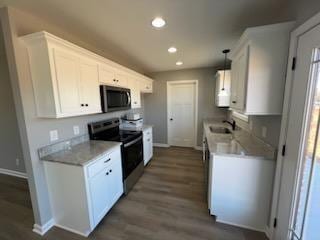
x: 66, y: 78
x: 67, y: 82
x: 107, y: 75
x: 89, y: 86
x: 135, y: 93
x: 258, y: 69
x: 111, y: 76
x: 146, y: 86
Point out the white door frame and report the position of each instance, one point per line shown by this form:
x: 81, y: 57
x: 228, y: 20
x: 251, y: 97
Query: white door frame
x: 308, y: 25
x: 195, y: 104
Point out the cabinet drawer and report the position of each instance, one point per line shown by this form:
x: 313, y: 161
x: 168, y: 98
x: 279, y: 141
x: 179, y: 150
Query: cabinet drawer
x: 103, y: 162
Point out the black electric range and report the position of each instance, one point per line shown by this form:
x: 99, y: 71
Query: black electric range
x: 131, y: 148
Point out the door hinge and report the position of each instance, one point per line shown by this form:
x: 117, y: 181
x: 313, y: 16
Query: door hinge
x: 275, y: 223
x: 294, y: 61
x: 283, y: 152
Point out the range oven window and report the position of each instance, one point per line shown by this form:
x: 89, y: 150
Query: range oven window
x: 132, y: 156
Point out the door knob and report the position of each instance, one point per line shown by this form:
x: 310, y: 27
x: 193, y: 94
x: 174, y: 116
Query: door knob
x: 171, y: 119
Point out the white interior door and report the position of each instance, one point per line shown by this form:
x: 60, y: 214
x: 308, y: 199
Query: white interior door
x: 299, y: 201
x: 182, y: 104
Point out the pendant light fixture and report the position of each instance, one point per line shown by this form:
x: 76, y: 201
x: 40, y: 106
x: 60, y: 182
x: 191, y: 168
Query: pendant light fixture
x: 223, y: 91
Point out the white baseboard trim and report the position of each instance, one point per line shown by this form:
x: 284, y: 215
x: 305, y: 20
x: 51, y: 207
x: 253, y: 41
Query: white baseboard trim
x: 268, y: 232
x: 164, y: 145
x: 41, y: 230
x: 72, y: 230
x: 241, y: 226
x: 13, y: 173
x: 199, y: 148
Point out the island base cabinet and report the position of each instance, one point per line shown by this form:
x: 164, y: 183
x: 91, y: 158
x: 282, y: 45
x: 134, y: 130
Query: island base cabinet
x: 78, y: 200
x: 240, y: 190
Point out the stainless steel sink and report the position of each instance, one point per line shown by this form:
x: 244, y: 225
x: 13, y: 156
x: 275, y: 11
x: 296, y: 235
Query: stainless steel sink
x: 220, y: 130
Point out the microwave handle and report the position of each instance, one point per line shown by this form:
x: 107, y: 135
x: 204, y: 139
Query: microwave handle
x: 129, y: 98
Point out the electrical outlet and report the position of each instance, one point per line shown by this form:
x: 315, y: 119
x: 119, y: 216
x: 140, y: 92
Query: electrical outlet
x: 76, y: 130
x: 17, y: 162
x: 54, y: 135
x: 264, y: 132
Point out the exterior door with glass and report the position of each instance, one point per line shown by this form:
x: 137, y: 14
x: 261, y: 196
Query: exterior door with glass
x: 299, y: 201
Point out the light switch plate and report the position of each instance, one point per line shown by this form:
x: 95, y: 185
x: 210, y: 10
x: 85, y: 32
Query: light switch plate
x: 76, y: 130
x: 54, y: 135
x: 264, y: 132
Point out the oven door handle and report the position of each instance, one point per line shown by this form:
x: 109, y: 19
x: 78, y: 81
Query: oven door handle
x: 133, y: 142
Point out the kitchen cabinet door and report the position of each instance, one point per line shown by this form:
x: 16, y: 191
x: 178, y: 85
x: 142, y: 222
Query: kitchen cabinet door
x: 89, y: 86
x: 121, y: 79
x: 135, y: 93
x: 67, y: 80
x: 146, y: 86
x: 107, y: 75
x: 100, y: 190
x: 239, y: 79
x: 115, y: 181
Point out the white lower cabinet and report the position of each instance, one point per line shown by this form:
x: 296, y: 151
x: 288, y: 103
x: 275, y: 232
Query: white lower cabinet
x: 81, y: 196
x: 147, y: 145
x: 240, y: 190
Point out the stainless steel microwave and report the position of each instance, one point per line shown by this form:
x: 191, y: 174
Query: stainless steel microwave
x: 115, y: 98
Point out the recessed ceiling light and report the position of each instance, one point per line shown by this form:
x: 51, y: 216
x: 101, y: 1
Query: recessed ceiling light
x: 158, y: 22
x: 172, y: 50
x: 179, y: 63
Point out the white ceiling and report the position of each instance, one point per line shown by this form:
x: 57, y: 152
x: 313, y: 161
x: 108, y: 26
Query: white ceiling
x: 200, y: 29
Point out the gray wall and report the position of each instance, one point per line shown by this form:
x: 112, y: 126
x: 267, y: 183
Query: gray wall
x: 156, y: 103
x: 10, y: 145
x: 302, y: 10
x: 35, y: 131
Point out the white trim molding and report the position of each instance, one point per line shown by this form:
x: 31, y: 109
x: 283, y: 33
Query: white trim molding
x: 42, y: 229
x: 163, y: 145
x: 13, y: 173
x: 283, y: 217
x: 199, y: 148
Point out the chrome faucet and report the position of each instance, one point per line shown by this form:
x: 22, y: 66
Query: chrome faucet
x: 233, y: 124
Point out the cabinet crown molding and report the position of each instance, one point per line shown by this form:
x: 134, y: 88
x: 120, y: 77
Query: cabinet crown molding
x: 34, y: 38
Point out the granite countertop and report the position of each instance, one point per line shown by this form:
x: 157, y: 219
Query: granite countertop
x: 239, y: 143
x: 83, y: 153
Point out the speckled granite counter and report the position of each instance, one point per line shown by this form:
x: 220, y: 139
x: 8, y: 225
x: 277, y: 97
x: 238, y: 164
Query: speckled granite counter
x: 240, y: 142
x: 83, y: 153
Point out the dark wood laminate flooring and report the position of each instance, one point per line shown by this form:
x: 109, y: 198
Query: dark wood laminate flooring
x: 168, y: 202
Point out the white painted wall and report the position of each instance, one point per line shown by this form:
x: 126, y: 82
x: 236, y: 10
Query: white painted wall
x: 10, y: 146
